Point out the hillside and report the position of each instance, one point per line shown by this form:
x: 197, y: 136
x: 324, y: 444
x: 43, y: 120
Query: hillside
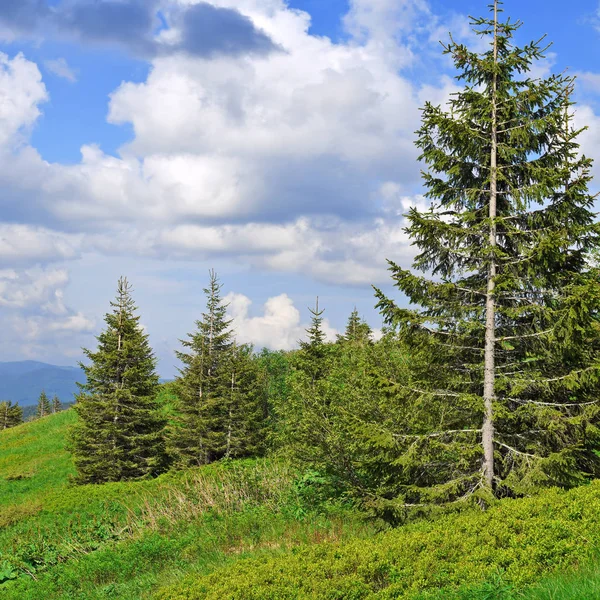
x: 23, y: 381
x: 253, y: 530
x: 128, y: 540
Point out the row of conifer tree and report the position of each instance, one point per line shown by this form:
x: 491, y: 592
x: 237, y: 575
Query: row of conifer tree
x: 11, y: 414
x: 123, y: 431
x: 228, y: 401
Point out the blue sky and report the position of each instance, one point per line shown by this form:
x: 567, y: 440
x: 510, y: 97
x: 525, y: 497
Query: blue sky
x: 270, y: 140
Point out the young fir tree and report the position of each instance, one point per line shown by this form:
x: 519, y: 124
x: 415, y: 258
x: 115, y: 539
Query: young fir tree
x: 44, y: 407
x: 357, y: 331
x: 56, y: 405
x: 11, y: 415
x: 119, y: 433
x: 508, y: 319
x: 199, y: 437
x: 312, y: 357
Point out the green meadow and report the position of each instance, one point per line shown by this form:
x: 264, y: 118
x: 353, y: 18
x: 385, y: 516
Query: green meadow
x: 258, y: 529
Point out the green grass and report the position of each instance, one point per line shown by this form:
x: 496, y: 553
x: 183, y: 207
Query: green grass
x: 513, y: 545
x: 576, y: 586
x: 251, y: 530
x: 33, y: 460
x: 583, y: 584
x: 124, y: 540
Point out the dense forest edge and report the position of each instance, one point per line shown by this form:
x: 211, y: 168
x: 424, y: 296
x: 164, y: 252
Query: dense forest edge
x: 456, y: 454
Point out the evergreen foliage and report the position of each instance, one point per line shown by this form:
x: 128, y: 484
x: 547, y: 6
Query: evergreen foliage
x: 274, y: 369
x: 44, y: 408
x: 220, y: 404
x: 313, y: 356
x: 340, y: 424
x: 245, y: 417
x: 507, y: 325
x: 119, y: 433
x: 11, y: 414
x: 358, y: 331
x: 56, y: 404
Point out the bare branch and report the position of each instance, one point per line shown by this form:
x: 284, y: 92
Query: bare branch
x: 525, y: 335
x: 511, y: 449
x: 437, y: 434
x: 435, y: 392
x: 555, y: 404
x: 563, y: 377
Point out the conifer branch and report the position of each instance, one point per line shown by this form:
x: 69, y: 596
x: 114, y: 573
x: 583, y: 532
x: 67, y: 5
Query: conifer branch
x: 525, y: 335
x: 563, y: 377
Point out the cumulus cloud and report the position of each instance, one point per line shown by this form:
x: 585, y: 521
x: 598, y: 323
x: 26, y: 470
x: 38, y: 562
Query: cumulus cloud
x: 278, y: 328
x: 33, y: 289
x: 21, y: 93
x: 208, y: 30
x: 27, y: 245
x: 383, y: 21
x: 280, y: 160
x: 35, y: 320
x: 331, y: 251
x: 304, y: 131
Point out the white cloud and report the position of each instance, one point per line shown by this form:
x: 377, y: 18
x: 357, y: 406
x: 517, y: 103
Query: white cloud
x: 381, y: 21
x: 589, y: 139
x: 60, y: 67
x: 589, y: 80
x: 21, y: 91
x: 34, y: 318
x: 24, y: 244
x: 279, y: 328
x: 273, y: 159
x: 330, y: 250
x: 34, y: 288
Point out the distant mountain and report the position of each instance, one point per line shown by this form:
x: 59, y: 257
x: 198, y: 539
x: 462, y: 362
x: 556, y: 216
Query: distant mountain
x: 23, y: 381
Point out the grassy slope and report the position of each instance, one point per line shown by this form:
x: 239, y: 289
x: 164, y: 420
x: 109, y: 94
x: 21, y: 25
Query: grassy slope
x: 244, y: 531
x: 32, y: 459
x: 123, y: 540
x: 515, y: 543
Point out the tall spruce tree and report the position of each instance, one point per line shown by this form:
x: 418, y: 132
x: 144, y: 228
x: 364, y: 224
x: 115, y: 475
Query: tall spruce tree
x: 44, y: 407
x: 119, y: 433
x: 11, y: 415
x: 56, y: 404
x: 205, y: 383
x: 509, y: 306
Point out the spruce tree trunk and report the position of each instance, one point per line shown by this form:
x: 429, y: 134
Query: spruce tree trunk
x: 229, y: 423
x: 122, y: 287
x: 490, y: 305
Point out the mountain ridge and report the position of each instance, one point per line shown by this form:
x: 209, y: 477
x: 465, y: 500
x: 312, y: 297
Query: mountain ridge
x: 22, y: 381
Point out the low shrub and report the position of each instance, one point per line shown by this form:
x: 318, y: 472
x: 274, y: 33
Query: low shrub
x: 518, y: 541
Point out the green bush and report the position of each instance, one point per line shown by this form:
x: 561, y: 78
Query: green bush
x: 518, y: 541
